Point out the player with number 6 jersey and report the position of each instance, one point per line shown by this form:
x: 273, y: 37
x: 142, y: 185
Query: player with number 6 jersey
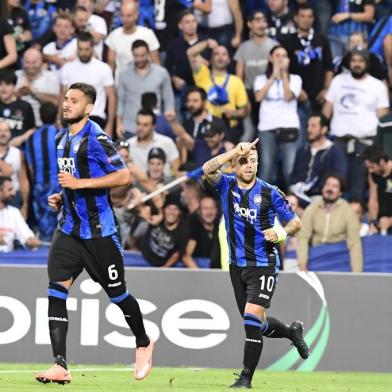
x: 250, y: 207
x: 87, y: 237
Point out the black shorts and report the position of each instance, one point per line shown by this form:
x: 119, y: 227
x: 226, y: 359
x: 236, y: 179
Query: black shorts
x: 102, y: 258
x: 255, y: 285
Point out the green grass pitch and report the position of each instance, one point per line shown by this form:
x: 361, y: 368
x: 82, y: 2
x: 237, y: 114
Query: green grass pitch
x: 19, y: 378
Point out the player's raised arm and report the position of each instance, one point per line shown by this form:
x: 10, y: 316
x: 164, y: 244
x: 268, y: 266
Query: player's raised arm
x: 211, y: 167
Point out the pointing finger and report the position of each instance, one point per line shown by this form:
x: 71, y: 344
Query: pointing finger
x: 254, y: 143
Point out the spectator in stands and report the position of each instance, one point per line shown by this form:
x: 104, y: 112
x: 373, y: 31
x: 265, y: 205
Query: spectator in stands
x: 278, y: 127
x: 18, y: 113
x: 95, y: 25
x: 64, y: 48
x: 41, y: 14
x: 203, y: 238
x: 12, y: 224
x: 8, y: 53
x: 310, y: 58
x: 384, y: 133
x: 226, y: 92
x: 376, y: 69
x: 156, y: 168
x: 359, y: 208
x: 146, y: 138
x: 200, y: 151
x: 120, y: 40
x: 94, y: 72
x: 142, y: 76
x: 149, y: 101
x: 318, y: 158
x: 218, y: 23
x: 163, y: 244
x: 349, y: 17
x: 37, y: 85
x: 190, y: 196
x: 280, y: 20
x: 252, y: 56
x: 177, y: 62
x: 354, y: 102
x: 19, y: 22
x: 41, y: 162
x: 13, y: 158
x: 380, y: 189
x: 330, y: 220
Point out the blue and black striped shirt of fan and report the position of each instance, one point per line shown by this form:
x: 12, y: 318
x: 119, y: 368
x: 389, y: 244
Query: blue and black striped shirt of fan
x: 87, y: 213
x: 248, y: 212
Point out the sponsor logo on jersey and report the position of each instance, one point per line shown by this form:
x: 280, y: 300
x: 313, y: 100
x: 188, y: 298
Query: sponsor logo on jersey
x: 249, y: 214
x: 66, y: 164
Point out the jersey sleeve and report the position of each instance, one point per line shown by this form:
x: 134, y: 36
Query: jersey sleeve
x: 107, y: 156
x: 281, y: 206
x: 224, y: 183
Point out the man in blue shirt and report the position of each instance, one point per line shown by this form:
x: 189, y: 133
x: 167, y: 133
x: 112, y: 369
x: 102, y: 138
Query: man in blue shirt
x: 87, y: 237
x: 250, y: 207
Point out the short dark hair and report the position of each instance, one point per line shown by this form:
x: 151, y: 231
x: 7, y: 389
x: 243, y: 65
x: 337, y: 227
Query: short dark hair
x: 337, y: 177
x: 323, y: 120
x: 48, y: 113
x: 304, y: 7
x: 374, y: 154
x: 195, y: 89
x: 4, y: 179
x: 79, y: 8
x: 139, y: 43
x: 149, y: 100
x: 183, y: 14
x: 147, y: 112
x: 86, y: 89
x: 7, y: 76
x: 85, y: 36
x: 253, y: 14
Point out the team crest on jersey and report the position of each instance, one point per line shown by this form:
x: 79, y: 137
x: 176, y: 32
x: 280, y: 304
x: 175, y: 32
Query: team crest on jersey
x: 257, y: 200
x: 6, y: 112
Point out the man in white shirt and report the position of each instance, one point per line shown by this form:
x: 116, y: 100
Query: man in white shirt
x: 35, y: 84
x: 120, y: 40
x: 146, y: 138
x: 354, y: 102
x: 95, y: 25
x: 63, y: 50
x: 90, y: 70
x: 12, y: 224
x: 14, y: 166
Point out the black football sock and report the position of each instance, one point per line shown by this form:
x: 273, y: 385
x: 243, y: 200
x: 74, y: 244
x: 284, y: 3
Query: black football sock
x: 273, y: 328
x: 133, y: 317
x: 253, y: 344
x: 58, y: 321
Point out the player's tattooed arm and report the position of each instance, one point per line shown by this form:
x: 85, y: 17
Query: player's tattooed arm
x: 293, y: 226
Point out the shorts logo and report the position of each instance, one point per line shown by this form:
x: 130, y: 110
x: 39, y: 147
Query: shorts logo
x: 264, y: 296
x: 66, y: 164
x: 257, y: 200
x: 249, y: 214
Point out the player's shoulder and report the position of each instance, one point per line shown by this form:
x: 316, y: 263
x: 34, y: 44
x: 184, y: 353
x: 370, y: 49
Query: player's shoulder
x: 266, y: 187
x: 97, y: 134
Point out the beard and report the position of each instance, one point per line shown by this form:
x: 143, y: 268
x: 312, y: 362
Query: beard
x: 74, y: 120
x: 329, y: 198
x: 246, y: 180
x: 358, y: 74
x: 197, y: 111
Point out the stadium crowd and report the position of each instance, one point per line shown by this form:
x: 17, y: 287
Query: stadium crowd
x: 181, y: 81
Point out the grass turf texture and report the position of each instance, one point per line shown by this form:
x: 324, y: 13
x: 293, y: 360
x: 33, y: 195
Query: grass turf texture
x: 19, y: 378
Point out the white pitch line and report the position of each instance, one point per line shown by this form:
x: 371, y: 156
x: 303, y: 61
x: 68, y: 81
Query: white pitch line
x: 72, y: 370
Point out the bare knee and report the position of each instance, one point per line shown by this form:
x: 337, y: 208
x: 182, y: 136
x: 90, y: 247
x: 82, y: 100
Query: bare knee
x: 256, y: 310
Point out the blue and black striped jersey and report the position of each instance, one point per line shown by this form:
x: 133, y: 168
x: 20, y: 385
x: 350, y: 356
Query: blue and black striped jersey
x: 40, y: 151
x: 248, y: 212
x: 87, y: 213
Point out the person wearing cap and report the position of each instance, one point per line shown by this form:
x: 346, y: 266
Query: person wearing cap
x: 354, y: 102
x: 163, y: 244
x: 156, y: 167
